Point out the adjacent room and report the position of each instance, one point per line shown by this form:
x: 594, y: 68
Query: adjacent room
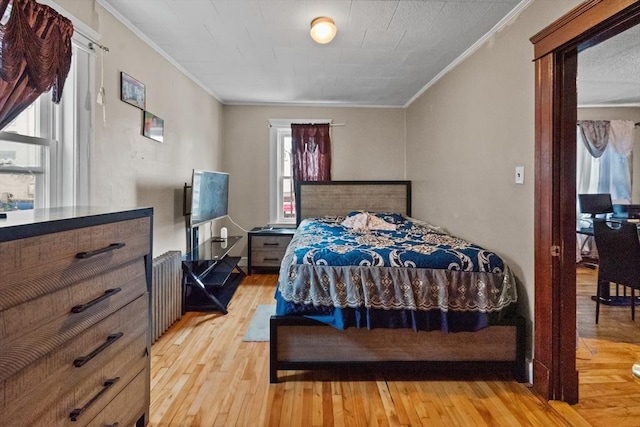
x: 310, y: 212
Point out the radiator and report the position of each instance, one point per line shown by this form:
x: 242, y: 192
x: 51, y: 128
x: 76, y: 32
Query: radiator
x: 166, y: 292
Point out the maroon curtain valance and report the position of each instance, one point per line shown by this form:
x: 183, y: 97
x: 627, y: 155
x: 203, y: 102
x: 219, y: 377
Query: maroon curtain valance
x: 35, y: 55
x: 311, y: 152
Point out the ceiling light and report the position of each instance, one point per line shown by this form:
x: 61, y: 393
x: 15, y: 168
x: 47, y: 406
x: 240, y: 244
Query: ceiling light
x: 323, y: 30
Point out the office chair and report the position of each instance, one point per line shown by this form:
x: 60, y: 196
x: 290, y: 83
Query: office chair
x: 595, y: 205
x: 619, y: 257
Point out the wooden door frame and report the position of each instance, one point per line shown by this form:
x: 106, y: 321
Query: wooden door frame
x: 555, y: 53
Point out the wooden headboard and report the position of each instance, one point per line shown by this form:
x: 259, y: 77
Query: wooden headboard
x: 319, y: 198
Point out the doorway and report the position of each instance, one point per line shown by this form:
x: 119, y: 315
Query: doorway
x: 556, y: 49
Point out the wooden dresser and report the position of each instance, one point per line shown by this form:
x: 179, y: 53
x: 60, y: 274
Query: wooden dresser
x: 74, y: 317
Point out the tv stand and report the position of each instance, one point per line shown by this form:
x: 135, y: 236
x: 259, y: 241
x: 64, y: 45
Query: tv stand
x: 210, y: 275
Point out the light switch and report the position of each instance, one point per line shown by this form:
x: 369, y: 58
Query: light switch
x: 519, y: 174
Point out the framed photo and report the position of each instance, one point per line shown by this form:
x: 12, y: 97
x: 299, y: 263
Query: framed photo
x: 132, y: 91
x: 152, y: 126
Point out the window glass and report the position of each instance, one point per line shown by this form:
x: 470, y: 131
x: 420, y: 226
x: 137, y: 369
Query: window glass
x: 287, y: 205
x: 282, y: 203
x: 23, y: 159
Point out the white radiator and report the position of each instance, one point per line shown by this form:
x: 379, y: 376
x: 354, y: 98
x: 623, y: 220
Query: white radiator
x: 166, y: 292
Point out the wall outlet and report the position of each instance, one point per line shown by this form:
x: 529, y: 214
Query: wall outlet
x: 519, y: 174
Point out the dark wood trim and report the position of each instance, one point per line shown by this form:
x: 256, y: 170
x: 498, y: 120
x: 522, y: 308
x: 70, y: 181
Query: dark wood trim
x: 556, y: 48
x: 573, y: 26
x: 543, y: 227
x: 565, y: 182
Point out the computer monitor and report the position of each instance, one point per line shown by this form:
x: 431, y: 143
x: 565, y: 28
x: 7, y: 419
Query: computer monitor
x: 595, y: 204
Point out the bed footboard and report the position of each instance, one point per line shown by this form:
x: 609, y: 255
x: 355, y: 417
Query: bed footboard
x: 299, y: 343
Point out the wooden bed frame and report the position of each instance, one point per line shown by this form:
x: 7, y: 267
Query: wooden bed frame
x: 299, y: 343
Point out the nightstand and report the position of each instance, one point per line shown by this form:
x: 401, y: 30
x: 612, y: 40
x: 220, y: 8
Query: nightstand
x: 267, y: 246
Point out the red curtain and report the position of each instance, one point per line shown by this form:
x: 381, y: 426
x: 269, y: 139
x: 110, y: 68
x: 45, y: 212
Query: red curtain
x: 35, y: 55
x: 311, y: 152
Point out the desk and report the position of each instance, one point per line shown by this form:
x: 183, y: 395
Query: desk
x: 607, y: 298
x: 210, y: 275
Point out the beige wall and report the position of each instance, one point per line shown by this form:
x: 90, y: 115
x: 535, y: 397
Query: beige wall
x: 129, y: 169
x: 468, y: 132
x: 628, y: 113
x: 367, y: 143
x: 459, y: 142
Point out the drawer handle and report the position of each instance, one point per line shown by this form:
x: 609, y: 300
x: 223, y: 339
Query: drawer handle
x: 89, y: 254
x: 80, y: 361
x: 271, y: 259
x: 78, y: 411
x: 82, y: 307
x: 113, y: 425
x: 271, y: 244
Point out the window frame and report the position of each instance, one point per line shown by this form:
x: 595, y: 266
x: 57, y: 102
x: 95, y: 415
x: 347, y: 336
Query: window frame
x: 278, y: 130
x: 67, y: 129
x: 44, y: 174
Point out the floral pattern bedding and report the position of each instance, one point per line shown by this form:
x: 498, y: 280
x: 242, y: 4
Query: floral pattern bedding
x: 355, y: 265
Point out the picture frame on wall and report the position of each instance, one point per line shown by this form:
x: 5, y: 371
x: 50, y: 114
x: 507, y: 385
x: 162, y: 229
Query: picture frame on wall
x: 132, y: 91
x: 152, y: 126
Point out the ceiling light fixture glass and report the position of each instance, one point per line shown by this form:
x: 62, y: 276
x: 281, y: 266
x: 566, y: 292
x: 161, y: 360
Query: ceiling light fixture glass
x: 323, y: 30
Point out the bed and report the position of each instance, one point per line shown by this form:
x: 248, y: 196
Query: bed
x: 362, y: 283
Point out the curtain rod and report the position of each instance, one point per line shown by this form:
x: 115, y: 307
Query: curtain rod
x: 92, y: 43
x: 330, y: 124
x: 635, y: 124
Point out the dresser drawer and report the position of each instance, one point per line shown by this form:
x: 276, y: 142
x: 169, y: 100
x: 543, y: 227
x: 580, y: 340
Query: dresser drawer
x: 74, y: 315
x: 75, y: 361
x: 67, y: 387
x: 35, y: 266
x: 31, y: 330
x: 123, y: 410
x: 91, y: 399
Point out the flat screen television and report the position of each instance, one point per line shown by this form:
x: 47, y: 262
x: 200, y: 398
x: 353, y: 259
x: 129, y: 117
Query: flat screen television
x: 209, y: 196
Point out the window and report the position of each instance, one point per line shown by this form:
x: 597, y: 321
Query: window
x: 285, y: 197
x: 282, y: 204
x: 282, y: 201
x: 45, y: 154
x: 26, y: 152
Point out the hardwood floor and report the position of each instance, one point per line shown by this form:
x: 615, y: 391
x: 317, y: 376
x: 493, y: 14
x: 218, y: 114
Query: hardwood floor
x: 203, y: 374
x: 609, y: 394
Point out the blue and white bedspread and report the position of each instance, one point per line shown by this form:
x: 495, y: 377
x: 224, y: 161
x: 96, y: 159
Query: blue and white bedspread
x: 387, y: 270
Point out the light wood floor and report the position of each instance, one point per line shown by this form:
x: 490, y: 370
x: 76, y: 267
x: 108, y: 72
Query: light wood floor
x: 203, y: 374
x: 609, y: 394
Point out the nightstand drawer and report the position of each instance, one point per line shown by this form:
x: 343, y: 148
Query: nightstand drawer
x: 266, y: 258
x: 268, y: 246
x: 270, y: 242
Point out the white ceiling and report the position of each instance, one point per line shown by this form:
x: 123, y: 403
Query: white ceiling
x: 385, y: 53
x: 609, y: 73
x: 242, y: 51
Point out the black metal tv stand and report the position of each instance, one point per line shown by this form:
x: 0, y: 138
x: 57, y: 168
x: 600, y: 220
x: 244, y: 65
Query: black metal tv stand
x: 210, y: 275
